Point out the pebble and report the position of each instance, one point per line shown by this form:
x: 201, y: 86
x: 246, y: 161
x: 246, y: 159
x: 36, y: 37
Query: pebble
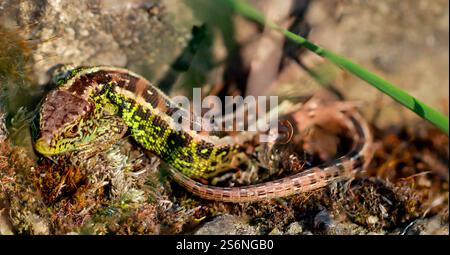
x: 227, y: 225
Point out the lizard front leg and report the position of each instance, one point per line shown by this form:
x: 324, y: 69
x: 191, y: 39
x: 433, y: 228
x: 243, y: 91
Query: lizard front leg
x: 108, y: 131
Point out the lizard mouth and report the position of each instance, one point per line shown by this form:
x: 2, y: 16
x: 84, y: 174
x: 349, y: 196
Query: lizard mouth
x: 43, y: 147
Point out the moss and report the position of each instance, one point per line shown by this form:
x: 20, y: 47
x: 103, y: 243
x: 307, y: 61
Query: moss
x: 371, y: 203
x: 14, y: 56
x: 16, y: 89
x: 28, y: 213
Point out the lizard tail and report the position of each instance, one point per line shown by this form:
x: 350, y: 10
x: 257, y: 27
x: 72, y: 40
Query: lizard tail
x: 307, y: 180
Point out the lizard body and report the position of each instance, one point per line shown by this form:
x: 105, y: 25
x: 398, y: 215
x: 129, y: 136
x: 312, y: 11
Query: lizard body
x: 93, y: 107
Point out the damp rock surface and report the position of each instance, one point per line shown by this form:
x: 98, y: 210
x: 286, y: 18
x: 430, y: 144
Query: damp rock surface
x: 86, y: 32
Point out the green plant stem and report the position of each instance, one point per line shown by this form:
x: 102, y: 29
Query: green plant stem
x: 426, y: 112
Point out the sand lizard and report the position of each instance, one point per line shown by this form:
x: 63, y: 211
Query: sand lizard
x: 93, y: 107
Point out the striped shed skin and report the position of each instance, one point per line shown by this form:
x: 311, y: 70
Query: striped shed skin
x: 93, y: 107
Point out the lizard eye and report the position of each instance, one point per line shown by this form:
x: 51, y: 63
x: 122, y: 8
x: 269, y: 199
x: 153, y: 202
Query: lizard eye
x: 73, y: 131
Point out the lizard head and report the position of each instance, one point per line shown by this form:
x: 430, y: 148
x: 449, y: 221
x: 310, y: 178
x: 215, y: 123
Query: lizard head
x: 70, y: 120
x: 65, y: 123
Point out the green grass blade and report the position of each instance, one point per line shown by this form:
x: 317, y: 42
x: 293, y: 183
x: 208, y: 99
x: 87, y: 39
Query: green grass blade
x: 415, y: 105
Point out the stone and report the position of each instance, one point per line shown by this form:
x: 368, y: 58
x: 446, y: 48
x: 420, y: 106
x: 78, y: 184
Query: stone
x: 294, y: 228
x: 227, y: 225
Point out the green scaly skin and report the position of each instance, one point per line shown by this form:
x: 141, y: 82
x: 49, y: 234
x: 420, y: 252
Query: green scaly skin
x: 114, y: 108
x: 93, y: 108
